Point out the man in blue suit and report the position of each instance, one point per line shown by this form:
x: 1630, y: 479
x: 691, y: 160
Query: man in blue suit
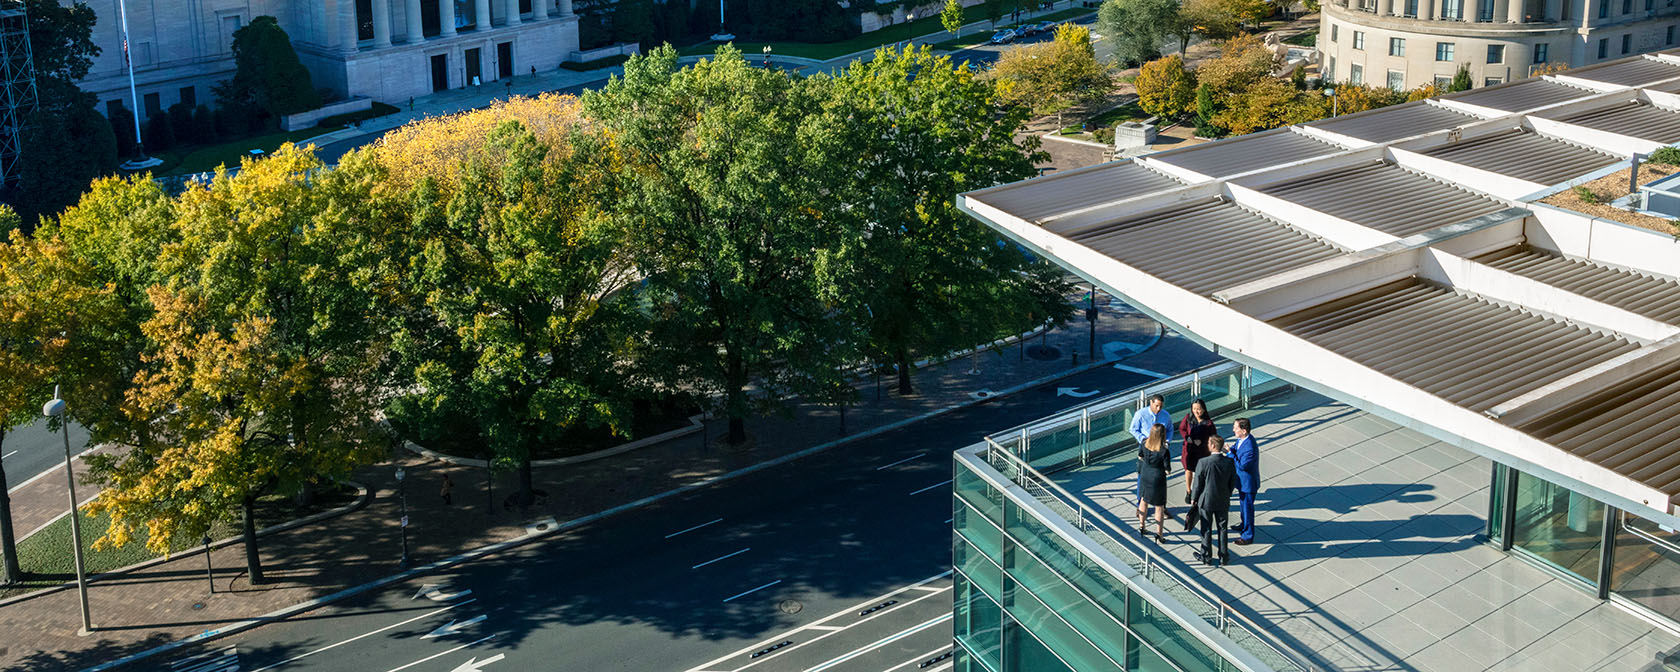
x: 1246, y: 451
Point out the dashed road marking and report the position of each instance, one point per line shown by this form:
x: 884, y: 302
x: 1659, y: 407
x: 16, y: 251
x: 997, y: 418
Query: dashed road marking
x: 741, y: 595
x: 881, y: 642
x: 907, y: 459
x: 696, y: 527
x: 440, y: 655
x: 941, y: 483
x: 365, y: 634
x: 726, y: 557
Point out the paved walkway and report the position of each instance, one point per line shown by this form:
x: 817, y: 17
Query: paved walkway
x: 170, y: 601
x: 1367, y: 555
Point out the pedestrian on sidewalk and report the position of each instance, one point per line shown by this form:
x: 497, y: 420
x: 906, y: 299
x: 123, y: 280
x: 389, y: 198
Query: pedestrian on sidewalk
x: 1154, y: 461
x: 446, y: 490
x: 1196, y: 427
x: 1216, y: 477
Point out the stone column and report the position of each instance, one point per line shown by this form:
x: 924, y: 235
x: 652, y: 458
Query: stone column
x: 381, y: 23
x: 481, y: 8
x: 416, y: 24
x: 513, y: 10
x: 446, y: 17
x: 1514, y: 10
x: 1426, y: 9
x: 539, y: 9
x: 1385, y: 7
x: 347, y: 25
x: 1471, y: 9
x: 565, y: 9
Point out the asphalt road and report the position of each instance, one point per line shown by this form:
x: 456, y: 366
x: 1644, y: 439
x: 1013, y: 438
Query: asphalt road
x: 30, y: 450
x: 687, y: 580
x: 986, y: 54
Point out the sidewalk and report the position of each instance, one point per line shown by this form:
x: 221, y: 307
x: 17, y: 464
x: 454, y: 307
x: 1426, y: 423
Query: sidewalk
x: 169, y: 601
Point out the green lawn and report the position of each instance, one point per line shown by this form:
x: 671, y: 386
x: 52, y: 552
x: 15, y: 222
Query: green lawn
x: 1128, y: 112
x: 206, y: 158
x: 46, y: 558
x: 888, y: 35
x: 1304, y: 39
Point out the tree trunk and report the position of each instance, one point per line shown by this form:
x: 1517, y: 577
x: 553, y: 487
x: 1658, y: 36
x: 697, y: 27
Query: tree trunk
x: 736, y: 403
x: 527, y: 491
x: 253, y: 563
x: 10, y: 572
x: 905, y: 366
x: 305, y: 495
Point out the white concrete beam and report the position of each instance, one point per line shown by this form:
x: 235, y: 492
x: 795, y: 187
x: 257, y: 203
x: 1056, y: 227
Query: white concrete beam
x: 1343, y: 233
x: 1485, y: 181
x: 1585, y: 384
x: 1509, y: 288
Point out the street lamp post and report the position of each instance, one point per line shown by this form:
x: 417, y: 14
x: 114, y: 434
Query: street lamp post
x: 56, y: 409
x: 402, y: 496
x: 1331, y: 93
x: 766, y: 56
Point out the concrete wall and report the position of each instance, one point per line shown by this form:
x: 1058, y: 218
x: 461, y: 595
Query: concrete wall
x: 292, y: 122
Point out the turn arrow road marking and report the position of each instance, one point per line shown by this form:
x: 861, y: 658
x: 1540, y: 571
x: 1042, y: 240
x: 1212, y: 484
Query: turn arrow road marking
x: 474, y: 664
x: 434, y: 592
x: 453, y: 627
x: 1075, y: 393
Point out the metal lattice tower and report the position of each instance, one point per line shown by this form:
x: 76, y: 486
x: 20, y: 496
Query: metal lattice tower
x: 17, y: 85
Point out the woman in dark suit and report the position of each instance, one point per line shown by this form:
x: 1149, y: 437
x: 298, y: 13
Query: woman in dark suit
x: 1196, y: 427
x: 1154, y: 461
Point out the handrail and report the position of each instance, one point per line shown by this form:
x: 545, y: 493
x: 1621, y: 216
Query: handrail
x: 1152, y: 561
x: 1132, y: 392
x: 1647, y: 536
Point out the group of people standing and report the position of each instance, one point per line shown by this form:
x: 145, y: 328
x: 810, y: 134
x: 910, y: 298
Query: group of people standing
x: 1214, y: 468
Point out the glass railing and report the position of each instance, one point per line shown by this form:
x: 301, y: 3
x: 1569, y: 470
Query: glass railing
x: 1025, y: 454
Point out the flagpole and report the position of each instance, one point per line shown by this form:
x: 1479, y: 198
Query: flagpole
x: 141, y: 161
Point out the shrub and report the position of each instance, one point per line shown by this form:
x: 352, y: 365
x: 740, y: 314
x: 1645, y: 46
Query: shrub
x: 1165, y: 89
x: 378, y: 110
x: 1667, y: 156
x: 1586, y: 195
x: 204, y: 124
x: 181, y: 123
x: 596, y: 64
x: 159, y: 134
x: 122, y: 124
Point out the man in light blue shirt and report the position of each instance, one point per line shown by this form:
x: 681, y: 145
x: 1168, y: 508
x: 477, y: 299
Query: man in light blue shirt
x: 1150, y: 416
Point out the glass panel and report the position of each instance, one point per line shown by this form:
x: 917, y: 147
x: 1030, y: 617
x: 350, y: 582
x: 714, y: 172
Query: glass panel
x: 1108, y: 431
x: 1177, y: 401
x: 1559, y: 526
x: 1024, y: 651
x: 465, y: 14
x: 1046, y: 583
x: 979, y: 494
x: 984, y: 534
x: 1055, y: 446
x: 1166, y: 636
x: 1261, y: 384
x: 1647, y: 567
x: 977, y: 623
x: 1222, y: 392
x: 1496, y: 504
x: 983, y: 572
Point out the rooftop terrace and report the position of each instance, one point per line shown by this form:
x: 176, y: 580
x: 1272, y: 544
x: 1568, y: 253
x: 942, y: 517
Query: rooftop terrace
x: 1369, y: 555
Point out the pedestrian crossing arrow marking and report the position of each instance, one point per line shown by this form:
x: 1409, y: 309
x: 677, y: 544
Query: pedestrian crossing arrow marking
x: 452, y: 628
x: 474, y: 664
x: 1075, y: 393
x: 434, y: 592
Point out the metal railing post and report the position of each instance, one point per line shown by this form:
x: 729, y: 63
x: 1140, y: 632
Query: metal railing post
x: 1084, y: 434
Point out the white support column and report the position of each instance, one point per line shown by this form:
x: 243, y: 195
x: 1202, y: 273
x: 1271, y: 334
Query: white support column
x: 566, y: 9
x: 347, y: 29
x: 414, y: 21
x: 446, y: 17
x: 1469, y: 10
x: 481, y: 9
x: 1514, y: 11
x: 539, y: 9
x: 1385, y: 7
x: 513, y: 11
x: 1426, y: 10
x: 381, y: 23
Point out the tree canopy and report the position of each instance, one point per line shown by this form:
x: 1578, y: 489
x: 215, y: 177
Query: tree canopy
x: 1051, y: 77
x: 267, y: 73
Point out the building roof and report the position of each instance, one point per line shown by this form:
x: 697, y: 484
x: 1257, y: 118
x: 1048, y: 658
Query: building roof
x: 1077, y: 189
x: 1628, y: 71
x: 1636, y: 119
x: 1640, y: 450
x: 1367, y: 195
x: 1241, y: 154
x: 1422, y: 276
x: 1203, y: 246
x: 1525, y: 155
x: 1521, y: 95
x: 1393, y: 123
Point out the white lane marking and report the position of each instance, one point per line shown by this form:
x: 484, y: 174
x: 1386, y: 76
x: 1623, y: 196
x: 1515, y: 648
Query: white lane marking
x: 948, y: 520
x: 740, y: 595
x: 696, y: 527
x: 473, y: 664
x: 935, y: 485
x: 227, y: 661
x: 830, y: 630
x: 907, y: 459
x: 453, y: 628
x: 2, y: 457
x: 944, y: 667
x: 726, y: 557
x: 1145, y: 372
x: 709, y: 665
x: 919, y: 659
x: 881, y: 642
x: 365, y: 634
x: 440, y: 655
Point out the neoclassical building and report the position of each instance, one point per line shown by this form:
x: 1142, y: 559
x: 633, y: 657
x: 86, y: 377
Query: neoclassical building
x: 388, y: 50
x: 1408, y: 43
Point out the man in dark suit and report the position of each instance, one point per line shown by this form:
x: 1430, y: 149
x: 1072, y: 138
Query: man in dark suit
x: 1216, y: 477
x: 1245, y: 451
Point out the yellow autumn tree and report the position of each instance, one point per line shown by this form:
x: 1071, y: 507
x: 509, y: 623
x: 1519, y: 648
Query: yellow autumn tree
x: 1165, y: 88
x: 442, y: 147
x: 1053, y: 77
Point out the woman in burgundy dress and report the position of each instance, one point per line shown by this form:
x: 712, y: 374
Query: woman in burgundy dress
x: 1196, y: 427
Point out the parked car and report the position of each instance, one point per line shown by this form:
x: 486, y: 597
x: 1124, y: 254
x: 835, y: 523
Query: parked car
x: 1003, y: 37
x: 1029, y: 29
x: 1046, y: 27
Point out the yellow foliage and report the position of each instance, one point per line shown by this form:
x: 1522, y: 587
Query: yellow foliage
x: 1422, y: 92
x: 1165, y: 89
x: 1242, y: 61
x: 440, y: 147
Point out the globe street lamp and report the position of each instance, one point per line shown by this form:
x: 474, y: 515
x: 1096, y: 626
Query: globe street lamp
x: 402, y: 495
x: 56, y: 409
x: 766, y: 56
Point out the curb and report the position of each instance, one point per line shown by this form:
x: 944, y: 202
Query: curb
x: 574, y: 523
x: 694, y: 425
x: 363, y: 496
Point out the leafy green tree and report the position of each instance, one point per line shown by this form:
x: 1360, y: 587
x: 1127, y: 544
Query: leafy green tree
x: 159, y: 133
x: 737, y: 260
x: 260, y: 371
x: 951, y: 17
x: 676, y: 22
x: 524, y: 268
x: 1460, y: 80
x: 910, y: 132
x: 267, y: 74
x: 1138, y: 28
x: 994, y: 11
x: 1052, y: 77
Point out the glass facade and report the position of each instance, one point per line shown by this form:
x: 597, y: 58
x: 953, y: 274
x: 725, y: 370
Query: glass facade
x: 1559, y: 526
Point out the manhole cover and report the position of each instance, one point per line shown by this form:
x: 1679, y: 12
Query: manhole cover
x: 982, y: 394
x: 1044, y: 353
x: 790, y: 606
x: 197, y: 605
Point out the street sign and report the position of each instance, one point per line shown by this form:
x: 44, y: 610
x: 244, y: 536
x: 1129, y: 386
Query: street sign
x: 405, y: 521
